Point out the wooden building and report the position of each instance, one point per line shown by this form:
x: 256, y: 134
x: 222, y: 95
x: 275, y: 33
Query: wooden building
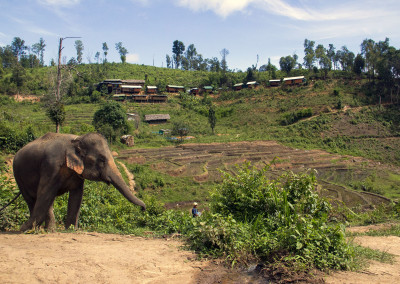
x: 208, y: 89
x: 156, y: 118
x: 151, y: 89
x: 131, y: 89
x: 158, y: 98
x: 291, y: 81
x: 251, y: 85
x: 194, y: 91
x: 175, y: 89
x: 119, y: 97
x: 133, y: 82
x: 140, y: 98
x: 275, y: 83
x: 238, y: 87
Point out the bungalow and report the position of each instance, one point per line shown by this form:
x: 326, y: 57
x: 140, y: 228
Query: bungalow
x: 251, y: 85
x: 151, y: 89
x: 194, y: 91
x: 133, y: 82
x: 140, y: 98
x: 158, y: 98
x: 119, y: 97
x: 113, y: 85
x: 175, y: 89
x: 290, y: 81
x: 238, y: 87
x: 275, y: 83
x: 208, y: 89
x: 128, y: 89
x: 156, y: 118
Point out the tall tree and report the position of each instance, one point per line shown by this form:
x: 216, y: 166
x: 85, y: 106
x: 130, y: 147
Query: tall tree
x: 191, y: 56
x: 18, y: 47
x: 177, y: 49
x: 105, y: 51
x: 287, y: 63
x: 330, y: 53
x: 323, y: 60
x: 212, y: 119
x: 122, y: 51
x: 79, y: 51
x: 309, y: 52
x: 38, y: 49
x: 224, y: 53
x: 168, y: 61
x: 359, y: 64
x: 97, y: 57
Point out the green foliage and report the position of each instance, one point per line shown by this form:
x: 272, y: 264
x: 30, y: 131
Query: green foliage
x: 56, y: 112
x: 212, y: 120
x: 12, y: 216
x: 290, y: 118
x: 111, y: 120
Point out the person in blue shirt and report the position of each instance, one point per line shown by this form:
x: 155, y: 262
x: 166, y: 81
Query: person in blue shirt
x: 195, y: 211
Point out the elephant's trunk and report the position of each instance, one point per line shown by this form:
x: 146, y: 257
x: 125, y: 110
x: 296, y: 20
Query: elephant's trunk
x: 118, y: 182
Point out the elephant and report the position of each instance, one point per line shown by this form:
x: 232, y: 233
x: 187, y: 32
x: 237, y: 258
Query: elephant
x: 58, y: 163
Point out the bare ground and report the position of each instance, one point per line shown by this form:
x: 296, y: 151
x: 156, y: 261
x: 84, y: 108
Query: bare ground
x: 104, y: 258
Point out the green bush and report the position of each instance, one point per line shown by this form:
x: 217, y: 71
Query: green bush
x: 254, y: 217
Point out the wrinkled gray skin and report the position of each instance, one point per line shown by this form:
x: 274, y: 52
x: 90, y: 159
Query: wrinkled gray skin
x: 56, y: 163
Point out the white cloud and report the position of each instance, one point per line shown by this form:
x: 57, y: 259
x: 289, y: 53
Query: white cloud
x: 31, y: 27
x: 132, y: 58
x: 62, y: 3
x: 220, y: 7
x: 303, y: 11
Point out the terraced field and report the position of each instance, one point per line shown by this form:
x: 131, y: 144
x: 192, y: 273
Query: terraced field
x: 203, y: 161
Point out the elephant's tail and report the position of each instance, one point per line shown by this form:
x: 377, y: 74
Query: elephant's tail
x: 10, y: 202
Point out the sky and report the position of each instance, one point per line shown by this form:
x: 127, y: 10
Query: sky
x: 246, y: 28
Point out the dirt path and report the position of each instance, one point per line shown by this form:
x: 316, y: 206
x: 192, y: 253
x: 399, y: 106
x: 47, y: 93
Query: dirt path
x: 103, y: 258
x: 131, y: 178
x: 377, y: 272
x: 106, y: 258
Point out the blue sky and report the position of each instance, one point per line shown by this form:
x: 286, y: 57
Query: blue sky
x: 247, y: 28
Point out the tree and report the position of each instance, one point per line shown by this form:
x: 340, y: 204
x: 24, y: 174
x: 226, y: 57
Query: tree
x: 287, y: 63
x: 7, y: 57
x: 97, y: 57
x: 18, y: 47
x: 177, y: 49
x: 122, y: 51
x: 214, y: 65
x: 346, y: 58
x: 111, y: 120
x: 79, y: 51
x: 38, y: 49
x: 323, y: 60
x: 212, y: 118
x: 105, y: 51
x: 56, y: 112
x: 330, y: 53
x: 359, y: 64
x: 191, y: 56
x: 224, y: 66
x: 168, y: 61
x: 309, y: 57
x: 250, y: 75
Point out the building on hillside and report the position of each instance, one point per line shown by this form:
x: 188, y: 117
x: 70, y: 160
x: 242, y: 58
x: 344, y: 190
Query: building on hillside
x: 238, y: 87
x: 156, y: 118
x: 175, y: 89
x: 113, y: 85
x: 275, y: 83
x: 194, y: 91
x: 119, y: 97
x: 208, y: 89
x: 131, y: 89
x: 252, y: 84
x: 158, y: 98
x: 140, y: 98
x: 290, y: 81
x: 133, y: 82
x: 151, y: 89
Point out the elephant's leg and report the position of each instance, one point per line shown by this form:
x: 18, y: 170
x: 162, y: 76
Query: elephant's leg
x: 50, y: 222
x: 47, y: 192
x: 74, y: 206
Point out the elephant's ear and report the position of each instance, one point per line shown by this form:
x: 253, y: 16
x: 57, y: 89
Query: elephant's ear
x: 73, y: 159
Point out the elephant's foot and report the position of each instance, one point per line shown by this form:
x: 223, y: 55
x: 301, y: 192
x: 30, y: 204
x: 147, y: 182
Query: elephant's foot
x: 28, y: 225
